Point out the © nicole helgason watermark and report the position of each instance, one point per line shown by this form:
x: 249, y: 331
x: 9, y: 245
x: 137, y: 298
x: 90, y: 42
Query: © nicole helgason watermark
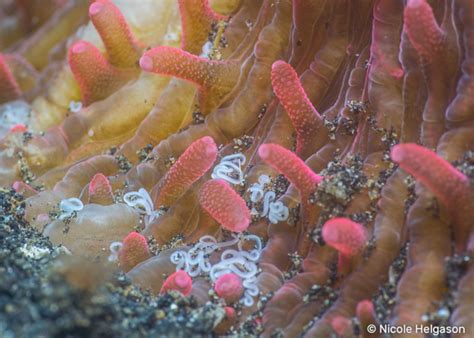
x: 416, y: 329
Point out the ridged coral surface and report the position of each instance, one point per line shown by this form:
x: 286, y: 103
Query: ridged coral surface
x: 307, y: 165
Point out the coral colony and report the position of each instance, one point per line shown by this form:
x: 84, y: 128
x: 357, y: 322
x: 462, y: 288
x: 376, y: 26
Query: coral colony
x: 307, y: 165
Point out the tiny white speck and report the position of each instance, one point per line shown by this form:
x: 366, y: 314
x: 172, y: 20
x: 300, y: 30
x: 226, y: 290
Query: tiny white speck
x: 75, y: 106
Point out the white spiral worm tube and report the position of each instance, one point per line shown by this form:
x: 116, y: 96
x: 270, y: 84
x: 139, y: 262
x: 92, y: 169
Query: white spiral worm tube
x: 257, y: 189
x: 195, y: 261
x: 275, y: 211
x: 69, y: 206
x: 243, y: 263
x: 230, y: 169
x: 278, y: 212
x: 114, y: 250
x: 142, y: 202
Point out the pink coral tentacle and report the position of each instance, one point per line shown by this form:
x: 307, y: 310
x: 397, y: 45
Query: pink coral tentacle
x: 191, y: 165
x: 224, y: 205
x: 291, y: 166
x: 305, y: 118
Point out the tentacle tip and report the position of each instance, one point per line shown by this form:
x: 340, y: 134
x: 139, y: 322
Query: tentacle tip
x: 179, y: 281
x: 364, y: 307
x: 146, y: 63
x: 264, y: 151
x: 182, y: 280
x: 95, y: 8
x: 17, y: 186
x: 242, y: 225
x: 230, y: 312
x: 229, y: 287
x: 340, y: 325
x: 98, y: 182
x: 79, y: 47
x: 135, y: 237
x: 210, y: 146
x: 278, y: 65
x: 344, y: 235
x: 397, y: 153
x: 18, y: 128
x: 415, y: 3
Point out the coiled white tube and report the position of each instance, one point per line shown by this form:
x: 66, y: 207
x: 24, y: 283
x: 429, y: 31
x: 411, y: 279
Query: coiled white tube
x: 69, y: 206
x: 230, y: 169
x: 142, y: 202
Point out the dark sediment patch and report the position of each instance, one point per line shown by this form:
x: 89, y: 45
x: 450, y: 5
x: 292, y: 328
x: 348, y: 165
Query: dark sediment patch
x: 44, y: 292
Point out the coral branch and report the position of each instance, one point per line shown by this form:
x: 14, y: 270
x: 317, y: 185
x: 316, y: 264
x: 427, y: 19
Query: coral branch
x: 229, y: 287
x: 422, y: 29
x: 462, y: 107
x: 365, y: 314
x: 292, y: 167
x: 196, y: 21
x: 448, y: 184
x: 224, y: 205
x: 96, y: 77
x: 100, y: 190
x: 123, y: 50
x: 191, y: 165
x: 134, y: 251
x: 305, y: 118
x: 344, y: 235
x: 341, y: 325
x: 178, y: 281
x: 215, y: 79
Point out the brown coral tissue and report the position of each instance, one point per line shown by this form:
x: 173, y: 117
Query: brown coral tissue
x: 341, y: 133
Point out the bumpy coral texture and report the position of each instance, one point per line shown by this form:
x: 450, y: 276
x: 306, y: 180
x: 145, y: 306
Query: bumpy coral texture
x: 229, y: 287
x: 134, y: 250
x: 191, y: 165
x: 224, y: 205
x: 344, y: 235
x: 305, y: 118
x: 100, y: 190
x: 178, y: 281
x: 307, y: 165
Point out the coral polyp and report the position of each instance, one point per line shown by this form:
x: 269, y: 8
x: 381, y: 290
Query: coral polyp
x: 273, y: 168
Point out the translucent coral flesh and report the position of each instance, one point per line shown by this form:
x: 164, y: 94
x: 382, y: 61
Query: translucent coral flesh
x: 115, y: 116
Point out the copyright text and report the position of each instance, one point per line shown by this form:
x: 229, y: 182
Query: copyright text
x: 419, y: 328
